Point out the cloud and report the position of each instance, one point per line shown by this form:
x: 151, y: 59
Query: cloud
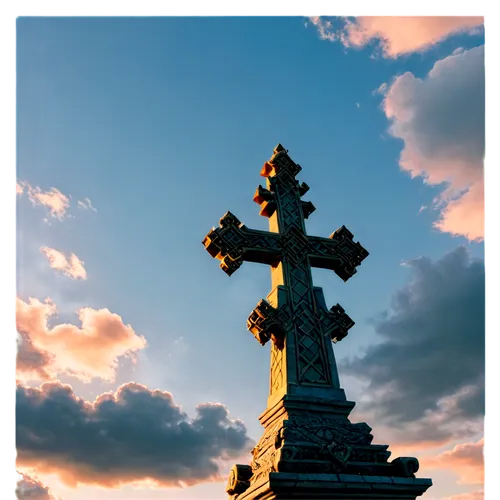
x: 72, y: 267
x: 29, y: 488
x: 56, y: 202
x: 473, y: 495
x: 394, y: 35
x: 86, y: 204
x: 131, y: 435
x: 465, y: 459
x: 441, y: 119
x: 425, y: 379
x: 325, y: 28
x: 32, y: 362
x: 89, y: 351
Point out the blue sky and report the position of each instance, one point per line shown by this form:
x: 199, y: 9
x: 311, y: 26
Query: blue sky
x: 164, y: 124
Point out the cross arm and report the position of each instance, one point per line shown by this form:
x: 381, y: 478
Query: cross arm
x: 233, y: 243
x: 336, y: 323
x: 338, y: 252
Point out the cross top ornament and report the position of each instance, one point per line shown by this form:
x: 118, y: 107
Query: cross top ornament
x: 294, y: 316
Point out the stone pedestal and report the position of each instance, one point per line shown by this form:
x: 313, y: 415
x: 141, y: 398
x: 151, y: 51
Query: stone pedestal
x: 288, y: 486
x: 310, y: 449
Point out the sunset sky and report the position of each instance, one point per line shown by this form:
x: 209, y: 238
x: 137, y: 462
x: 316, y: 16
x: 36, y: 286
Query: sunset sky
x: 136, y: 376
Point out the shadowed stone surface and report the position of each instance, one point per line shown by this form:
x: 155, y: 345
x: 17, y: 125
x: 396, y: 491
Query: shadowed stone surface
x: 309, y: 448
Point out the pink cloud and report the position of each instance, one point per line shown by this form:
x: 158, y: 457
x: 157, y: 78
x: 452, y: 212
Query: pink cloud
x: 56, y: 202
x: 72, y: 267
x: 396, y: 35
x: 466, y: 459
x: 325, y: 28
x: 440, y: 118
x: 473, y: 495
x: 89, y: 351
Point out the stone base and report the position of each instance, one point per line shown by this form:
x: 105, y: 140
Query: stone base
x: 310, y: 449
x: 286, y: 485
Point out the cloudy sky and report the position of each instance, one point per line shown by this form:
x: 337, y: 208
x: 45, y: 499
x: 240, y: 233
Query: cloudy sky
x: 136, y: 377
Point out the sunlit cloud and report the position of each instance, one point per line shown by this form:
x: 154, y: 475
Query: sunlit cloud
x: 54, y: 200
x: 473, y: 495
x: 72, y: 266
x: 466, y: 459
x: 394, y: 36
x: 440, y: 118
x: 89, y: 351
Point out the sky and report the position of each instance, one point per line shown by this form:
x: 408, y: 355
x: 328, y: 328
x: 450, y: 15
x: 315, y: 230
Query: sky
x: 136, y: 135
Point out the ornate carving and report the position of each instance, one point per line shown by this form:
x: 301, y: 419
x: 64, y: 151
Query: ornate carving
x: 405, y: 466
x: 307, y: 208
x: 239, y: 479
x: 305, y: 442
x: 277, y: 369
x: 232, y: 243
x: 335, y: 322
x: 370, y: 453
x: 266, y: 322
x: 265, y: 199
x: 324, y: 431
x: 338, y: 253
x: 265, y: 451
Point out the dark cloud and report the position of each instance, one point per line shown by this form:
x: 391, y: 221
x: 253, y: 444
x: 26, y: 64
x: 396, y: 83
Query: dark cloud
x: 29, y: 488
x: 31, y: 361
x: 427, y: 374
x: 131, y: 435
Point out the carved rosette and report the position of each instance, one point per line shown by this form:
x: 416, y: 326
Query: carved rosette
x: 239, y: 479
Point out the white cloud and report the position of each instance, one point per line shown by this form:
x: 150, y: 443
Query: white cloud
x: 86, y: 204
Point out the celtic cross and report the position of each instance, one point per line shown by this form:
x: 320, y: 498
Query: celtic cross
x: 294, y: 317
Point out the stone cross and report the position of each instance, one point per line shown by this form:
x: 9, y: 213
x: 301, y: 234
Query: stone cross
x: 309, y: 448
x: 301, y: 355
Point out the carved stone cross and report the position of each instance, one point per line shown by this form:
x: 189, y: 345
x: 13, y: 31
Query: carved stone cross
x: 309, y: 448
x: 295, y: 320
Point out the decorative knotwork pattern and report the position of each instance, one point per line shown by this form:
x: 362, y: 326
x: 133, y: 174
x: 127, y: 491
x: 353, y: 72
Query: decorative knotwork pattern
x: 339, y: 253
x: 335, y: 323
x: 277, y: 369
x: 295, y: 246
x: 311, y: 359
x: 267, y: 322
x: 232, y: 243
x: 312, y: 364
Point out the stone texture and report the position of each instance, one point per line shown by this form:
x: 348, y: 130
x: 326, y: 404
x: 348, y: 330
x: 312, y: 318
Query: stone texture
x: 310, y: 448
